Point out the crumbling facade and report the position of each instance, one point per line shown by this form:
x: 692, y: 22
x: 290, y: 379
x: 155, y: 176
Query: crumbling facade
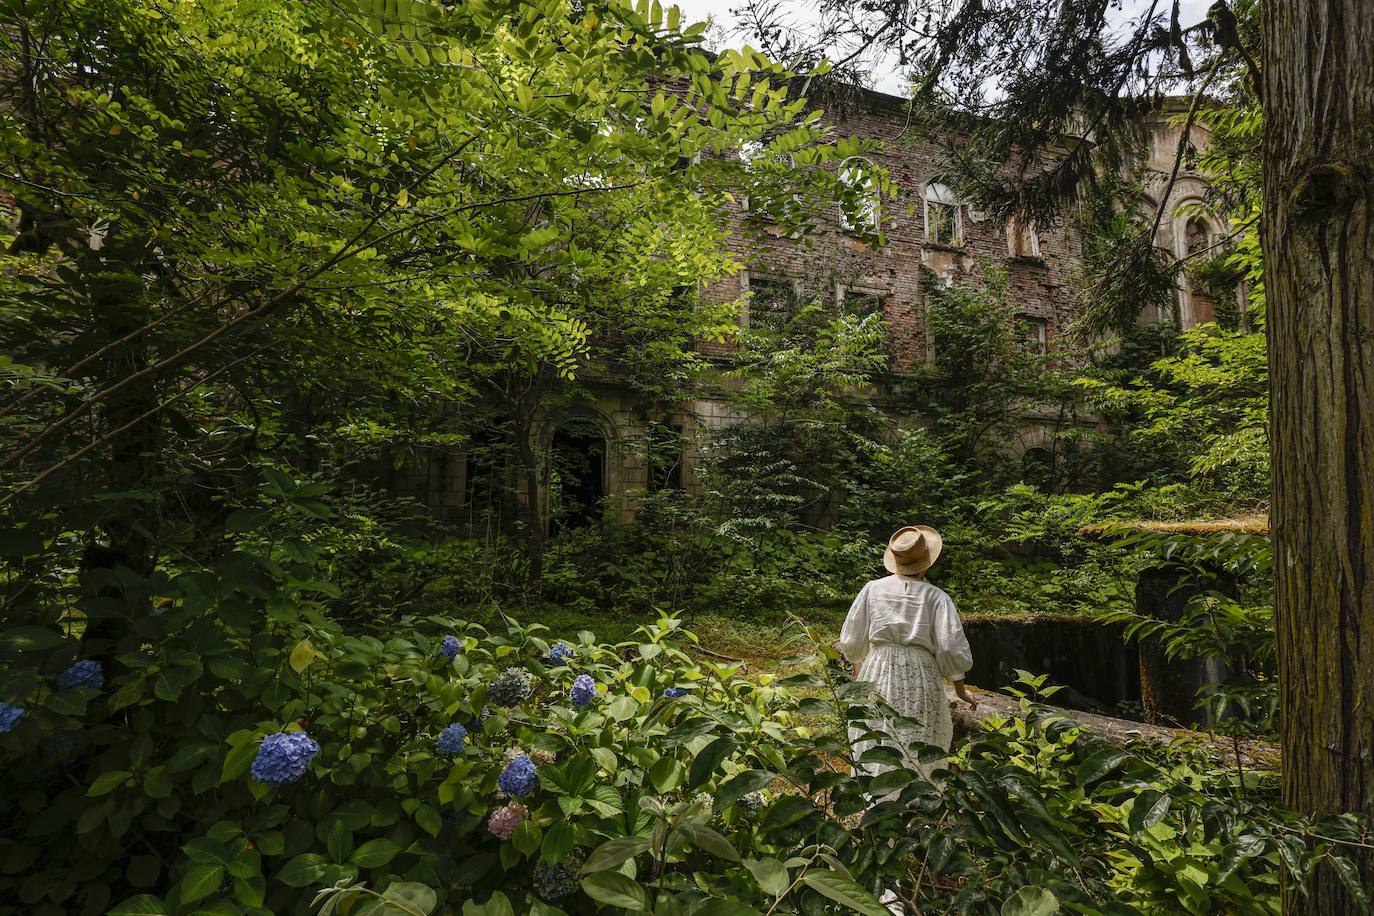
x: 929, y: 235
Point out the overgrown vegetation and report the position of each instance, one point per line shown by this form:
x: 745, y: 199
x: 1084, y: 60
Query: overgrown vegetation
x: 270, y: 264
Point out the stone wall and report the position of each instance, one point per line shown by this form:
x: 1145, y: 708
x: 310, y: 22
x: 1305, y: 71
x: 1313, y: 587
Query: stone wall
x: 1040, y: 263
x: 1038, y: 275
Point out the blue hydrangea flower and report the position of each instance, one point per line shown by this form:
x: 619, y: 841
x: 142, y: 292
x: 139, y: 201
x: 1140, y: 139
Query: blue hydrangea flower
x: 284, y: 757
x: 449, y: 646
x: 512, y: 687
x: 10, y: 716
x: 451, y: 739
x: 85, y: 673
x: 673, y: 693
x: 583, y: 690
x: 61, y: 747
x: 554, y: 881
x: 561, y: 653
x: 518, y: 779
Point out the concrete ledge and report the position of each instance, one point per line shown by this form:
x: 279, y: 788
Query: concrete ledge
x: 1256, y: 755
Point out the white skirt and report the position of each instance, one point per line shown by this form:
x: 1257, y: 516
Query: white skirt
x: 908, y: 679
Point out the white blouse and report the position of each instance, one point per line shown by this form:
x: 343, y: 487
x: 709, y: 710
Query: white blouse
x: 907, y: 612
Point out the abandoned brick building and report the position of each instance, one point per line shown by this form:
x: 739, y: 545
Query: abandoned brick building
x: 925, y: 228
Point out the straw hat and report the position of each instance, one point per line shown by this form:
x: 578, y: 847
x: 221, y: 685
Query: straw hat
x: 912, y: 550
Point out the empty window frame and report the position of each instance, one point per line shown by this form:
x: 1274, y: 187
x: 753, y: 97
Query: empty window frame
x: 944, y: 216
x: 772, y: 303
x: 1033, y: 332
x: 1023, y: 237
x: 859, y: 302
x: 860, y: 210
x: 769, y: 196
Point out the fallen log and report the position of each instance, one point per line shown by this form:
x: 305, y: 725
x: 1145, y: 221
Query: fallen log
x: 1256, y: 755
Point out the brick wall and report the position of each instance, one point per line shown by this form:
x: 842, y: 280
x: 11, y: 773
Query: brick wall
x: 1038, y: 286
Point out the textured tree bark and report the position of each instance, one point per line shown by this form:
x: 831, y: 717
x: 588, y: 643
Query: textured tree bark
x: 1318, y: 237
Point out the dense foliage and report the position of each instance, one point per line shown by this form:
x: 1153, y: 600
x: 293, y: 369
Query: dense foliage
x: 269, y: 261
x: 241, y: 749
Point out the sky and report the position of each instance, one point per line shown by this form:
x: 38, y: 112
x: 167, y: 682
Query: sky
x: 887, y: 77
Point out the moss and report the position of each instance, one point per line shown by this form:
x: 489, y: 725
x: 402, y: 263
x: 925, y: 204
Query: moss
x: 1246, y: 524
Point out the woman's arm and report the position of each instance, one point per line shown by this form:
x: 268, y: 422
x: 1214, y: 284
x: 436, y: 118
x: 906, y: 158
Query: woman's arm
x: 963, y: 695
x: 853, y: 641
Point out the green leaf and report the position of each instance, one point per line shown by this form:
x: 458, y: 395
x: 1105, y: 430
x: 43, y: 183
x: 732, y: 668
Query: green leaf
x: 306, y: 868
x: 771, y: 875
x: 302, y: 655
x: 1147, y: 810
x: 526, y: 837
x: 142, y: 905
x: 200, y: 882
x: 559, y: 840
x: 890, y: 781
x: 742, y: 784
x: 338, y: 840
x: 612, y: 852
x: 606, y: 759
x: 1099, y: 765
x: 429, y: 819
x: 237, y: 762
x: 705, y: 838
x: 1031, y: 901
x: 666, y: 774
x: 844, y: 891
x: 106, y: 783
x: 705, y: 764
x: 66, y: 702
x: 614, y: 889
x: 242, y: 520
x: 788, y: 810
x: 1350, y: 876
x: 31, y: 639
x: 417, y: 898
x: 496, y: 905
x: 374, y: 853
x: 883, y: 754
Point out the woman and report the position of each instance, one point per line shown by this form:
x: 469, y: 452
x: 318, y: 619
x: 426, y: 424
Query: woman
x: 903, y: 635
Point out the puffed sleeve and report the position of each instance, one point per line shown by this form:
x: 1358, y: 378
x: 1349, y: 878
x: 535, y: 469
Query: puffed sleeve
x: 854, y: 634
x: 952, y: 654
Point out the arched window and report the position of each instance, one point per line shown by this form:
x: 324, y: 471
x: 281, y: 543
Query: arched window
x: 1037, y: 468
x: 944, y: 219
x: 1197, y: 238
x: 859, y: 210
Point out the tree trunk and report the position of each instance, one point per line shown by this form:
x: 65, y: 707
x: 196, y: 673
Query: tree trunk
x: 534, y: 488
x: 1318, y: 238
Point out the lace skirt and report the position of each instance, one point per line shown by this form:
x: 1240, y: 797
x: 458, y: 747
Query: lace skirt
x: 907, y: 678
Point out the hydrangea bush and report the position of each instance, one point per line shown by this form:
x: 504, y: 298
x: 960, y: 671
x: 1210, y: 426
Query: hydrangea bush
x: 245, y: 760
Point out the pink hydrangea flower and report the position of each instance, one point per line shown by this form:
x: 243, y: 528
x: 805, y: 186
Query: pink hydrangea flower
x: 503, y: 821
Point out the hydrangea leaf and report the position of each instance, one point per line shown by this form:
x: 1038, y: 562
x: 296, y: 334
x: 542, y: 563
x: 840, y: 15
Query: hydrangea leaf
x: 142, y: 905
x: 611, y: 853
x: 200, y: 882
x: 614, y: 889
x: 844, y: 891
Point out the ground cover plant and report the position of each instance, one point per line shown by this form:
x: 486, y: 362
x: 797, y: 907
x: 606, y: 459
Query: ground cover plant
x: 235, y: 762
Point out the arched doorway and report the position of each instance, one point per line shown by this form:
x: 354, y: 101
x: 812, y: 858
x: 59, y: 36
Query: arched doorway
x: 1037, y: 468
x: 577, y: 474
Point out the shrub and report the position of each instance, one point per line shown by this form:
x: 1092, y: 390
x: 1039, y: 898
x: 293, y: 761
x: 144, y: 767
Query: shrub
x: 735, y: 795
